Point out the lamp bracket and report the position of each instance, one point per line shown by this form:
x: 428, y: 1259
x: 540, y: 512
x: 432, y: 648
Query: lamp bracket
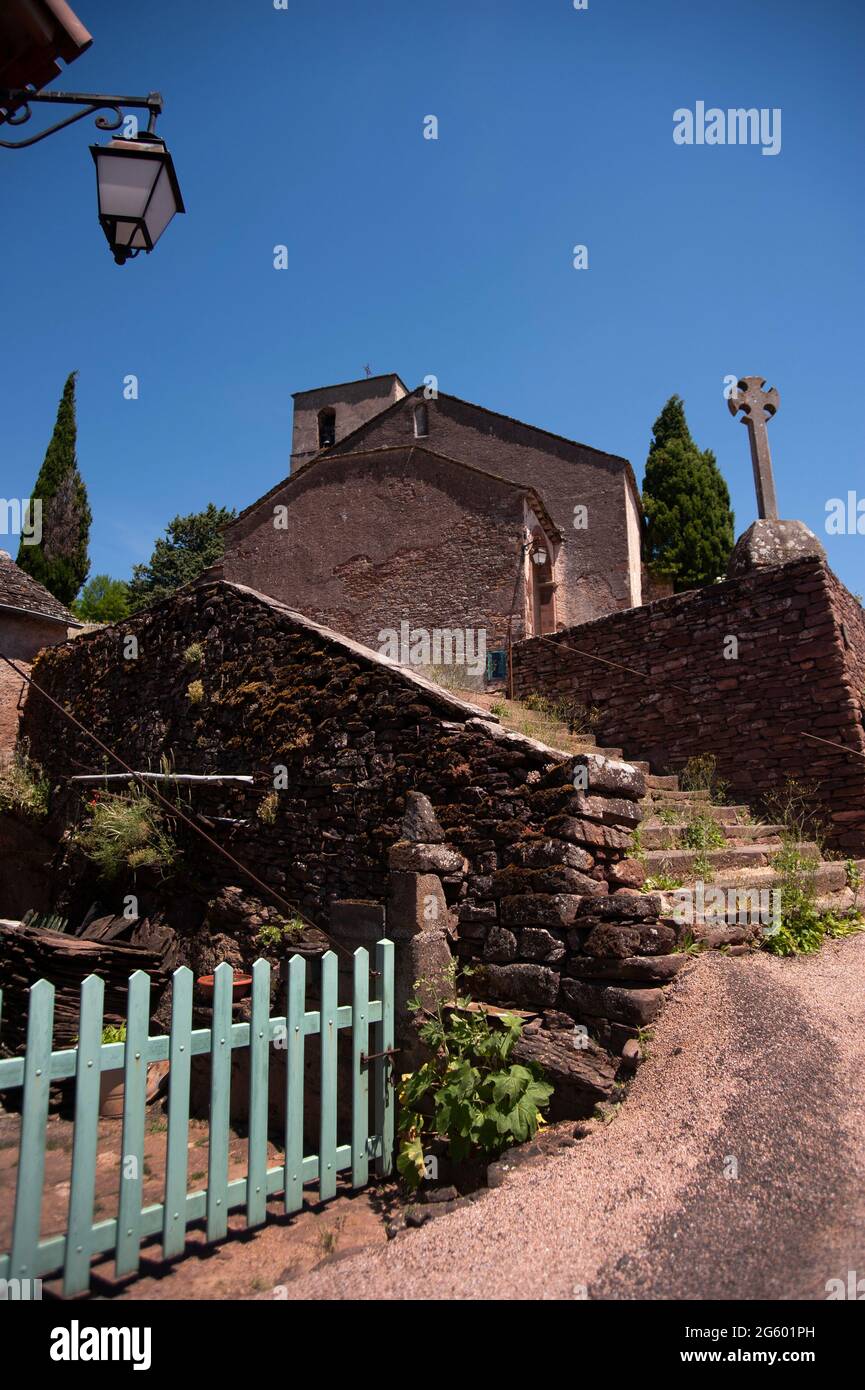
x: 15, y: 102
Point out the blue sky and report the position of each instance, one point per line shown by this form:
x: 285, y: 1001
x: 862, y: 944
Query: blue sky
x: 454, y: 257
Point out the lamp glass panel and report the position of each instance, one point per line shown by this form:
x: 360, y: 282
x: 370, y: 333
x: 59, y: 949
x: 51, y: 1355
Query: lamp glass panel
x: 124, y: 233
x: 162, y: 206
x: 125, y: 181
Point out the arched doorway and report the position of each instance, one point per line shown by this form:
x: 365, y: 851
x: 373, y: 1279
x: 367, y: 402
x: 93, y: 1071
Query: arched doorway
x: 543, y: 587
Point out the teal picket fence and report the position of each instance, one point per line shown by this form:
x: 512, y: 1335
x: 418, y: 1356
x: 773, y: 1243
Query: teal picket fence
x: 371, y: 1023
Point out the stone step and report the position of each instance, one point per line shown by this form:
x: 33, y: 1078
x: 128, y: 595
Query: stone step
x: 679, y: 863
x: 675, y: 798
x: 662, y: 783
x: 830, y: 877
x: 568, y: 744
x: 726, y: 815
x: 740, y: 911
x: 671, y: 836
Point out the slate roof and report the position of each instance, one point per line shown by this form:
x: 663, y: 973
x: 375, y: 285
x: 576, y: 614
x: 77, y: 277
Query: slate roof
x: 20, y: 592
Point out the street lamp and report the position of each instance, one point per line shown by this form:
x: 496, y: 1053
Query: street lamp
x: 138, y: 193
x: 135, y: 178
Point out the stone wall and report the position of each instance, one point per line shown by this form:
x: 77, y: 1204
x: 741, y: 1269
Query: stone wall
x: 21, y: 637
x: 529, y: 877
x: 594, y: 569
x: 673, y: 690
x: 353, y: 403
x: 373, y: 540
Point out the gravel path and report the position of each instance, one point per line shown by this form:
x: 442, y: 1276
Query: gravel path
x: 756, y: 1068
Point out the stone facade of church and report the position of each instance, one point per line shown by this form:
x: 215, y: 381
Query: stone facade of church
x: 440, y: 514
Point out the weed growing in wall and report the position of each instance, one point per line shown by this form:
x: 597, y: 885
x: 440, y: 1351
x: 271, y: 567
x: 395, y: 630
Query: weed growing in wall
x: 126, y: 831
x: 23, y: 789
x: 284, y: 932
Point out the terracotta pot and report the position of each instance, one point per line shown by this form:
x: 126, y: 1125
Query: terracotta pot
x: 111, y: 1092
x: 241, y: 985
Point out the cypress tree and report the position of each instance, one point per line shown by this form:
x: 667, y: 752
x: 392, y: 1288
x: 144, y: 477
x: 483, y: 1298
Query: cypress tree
x: 689, y: 532
x: 60, y: 561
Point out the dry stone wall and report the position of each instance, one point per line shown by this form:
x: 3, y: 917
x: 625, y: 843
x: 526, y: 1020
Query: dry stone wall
x: 670, y: 684
x: 402, y: 806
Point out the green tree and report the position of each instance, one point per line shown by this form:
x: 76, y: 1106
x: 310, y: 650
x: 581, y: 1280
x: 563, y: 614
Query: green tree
x: 689, y: 532
x: 59, y: 561
x: 102, y: 600
x: 190, y: 544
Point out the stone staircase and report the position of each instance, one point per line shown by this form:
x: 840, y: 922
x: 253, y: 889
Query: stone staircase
x: 745, y: 859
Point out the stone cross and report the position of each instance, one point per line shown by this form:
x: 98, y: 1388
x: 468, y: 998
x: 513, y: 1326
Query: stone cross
x: 758, y: 406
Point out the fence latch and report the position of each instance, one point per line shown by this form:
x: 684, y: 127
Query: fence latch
x: 388, y: 1052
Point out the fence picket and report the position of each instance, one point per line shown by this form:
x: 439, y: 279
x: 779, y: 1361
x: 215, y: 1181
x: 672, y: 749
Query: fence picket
x: 76, y: 1270
x: 382, y: 1067
x: 31, y: 1157
x: 294, y: 1061
x: 327, y: 1111
x: 360, y: 1070
x: 132, y: 1140
x: 177, y: 1146
x: 220, y: 1097
x: 73, y: 1251
x: 259, y: 1075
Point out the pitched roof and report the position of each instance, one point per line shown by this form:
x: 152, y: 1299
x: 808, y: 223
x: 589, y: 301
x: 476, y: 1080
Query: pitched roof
x: 483, y: 410
x: 23, y: 594
x: 356, y: 381
x: 367, y: 425
x: 393, y: 451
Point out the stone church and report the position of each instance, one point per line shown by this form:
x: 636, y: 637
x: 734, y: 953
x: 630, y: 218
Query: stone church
x: 438, y: 515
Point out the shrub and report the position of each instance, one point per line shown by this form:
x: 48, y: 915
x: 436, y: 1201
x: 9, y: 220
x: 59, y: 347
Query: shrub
x: 469, y: 1092
x: 114, y: 1033
x: 194, y: 654
x: 266, y: 810
x: 23, y: 788
x: 195, y: 692
x: 126, y: 831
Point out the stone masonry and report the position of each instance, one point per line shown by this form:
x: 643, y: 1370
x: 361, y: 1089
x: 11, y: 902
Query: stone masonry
x: 668, y: 686
x: 404, y: 805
